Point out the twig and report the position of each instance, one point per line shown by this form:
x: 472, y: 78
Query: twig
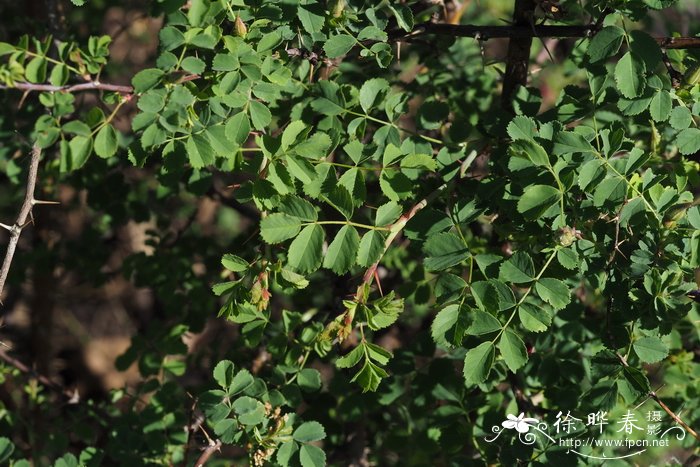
x: 394, y: 231
x: 678, y: 419
x: 528, y: 32
x: 72, y: 396
x: 208, y: 452
x: 670, y: 412
x: 89, y: 86
x: 518, y: 60
x: 24, y: 214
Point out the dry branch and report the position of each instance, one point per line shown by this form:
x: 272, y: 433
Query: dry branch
x: 24, y: 214
x: 89, y: 86
x: 529, y: 32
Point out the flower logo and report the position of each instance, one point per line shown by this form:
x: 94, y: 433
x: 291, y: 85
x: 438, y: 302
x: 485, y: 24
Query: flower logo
x: 520, y: 423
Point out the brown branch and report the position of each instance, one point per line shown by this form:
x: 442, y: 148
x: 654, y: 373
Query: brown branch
x: 518, y: 59
x: 666, y: 408
x: 72, y: 396
x: 208, y: 452
x: 670, y: 412
x: 529, y: 31
x: 24, y: 213
x: 89, y: 86
x: 394, y: 230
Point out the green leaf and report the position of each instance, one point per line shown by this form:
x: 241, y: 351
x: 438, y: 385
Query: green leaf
x: 338, y: 45
x: 249, y: 410
x: 146, y: 79
x: 404, y: 16
x: 537, y: 199
x: 279, y: 227
x: 234, y: 263
x: 534, y: 318
x: 223, y: 373
x: 371, y: 248
x: 629, y: 75
x: 59, y: 75
x: 352, y: 358
x: 36, y: 70
x: 444, y: 321
x: 478, y: 362
x: 298, y: 207
x: 240, y: 382
x: 340, y: 199
x: 395, y: 185
x: 650, y: 349
x: 383, y: 313
x: 660, y: 107
x: 387, y: 213
x: 238, y: 128
x: 567, y: 142
x: 6, y: 449
x: 646, y: 48
x: 300, y: 168
x: 306, y: 250
x: 80, y: 150
x: 342, y: 251
x: 482, y: 322
x: 308, y: 432
x: 513, y: 350
x: 312, y: 15
x: 311, y: 456
x: 680, y: 118
x: 291, y: 133
x: 633, y: 207
x: 369, y: 376
x: 260, y: 115
x: 226, y: 430
x: 106, y: 141
x: 370, y: 90
x: 309, y: 380
x: 444, y: 250
x: 518, y: 269
x: 591, y: 173
x: 605, y: 43
x: 523, y: 128
x: 610, y: 190
x: 554, y: 292
x: 199, y: 151
x: 193, y: 65
x: 314, y: 147
x: 688, y: 141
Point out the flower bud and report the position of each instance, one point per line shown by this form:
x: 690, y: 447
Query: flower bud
x: 240, y: 27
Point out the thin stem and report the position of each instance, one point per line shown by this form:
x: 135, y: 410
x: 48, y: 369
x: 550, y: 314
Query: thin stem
x: 354, y: 224
x: 525, y: 295
x: 24, y: 214
x: 629, y: 185
x: 406, y: 130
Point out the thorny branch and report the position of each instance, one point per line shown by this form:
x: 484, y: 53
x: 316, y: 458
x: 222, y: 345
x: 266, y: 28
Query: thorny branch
x: 528, y: 32
x: 656, y: 398
x: 25, y: 213
x: 89, y: 86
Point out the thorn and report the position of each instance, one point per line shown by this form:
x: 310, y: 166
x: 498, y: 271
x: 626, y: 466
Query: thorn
x: 40, y: 201
x: 379, y: 284
x: 30, y: 221
x: 6, y: 227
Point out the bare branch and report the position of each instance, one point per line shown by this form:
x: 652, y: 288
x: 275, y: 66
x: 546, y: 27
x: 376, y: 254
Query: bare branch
x: 528, y: 32
x: 666, y: 408
x: 89, y: 86
x: 518, y: 59
x: 24, y: 213
x: 208, y: 452
x: 72, y: 396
